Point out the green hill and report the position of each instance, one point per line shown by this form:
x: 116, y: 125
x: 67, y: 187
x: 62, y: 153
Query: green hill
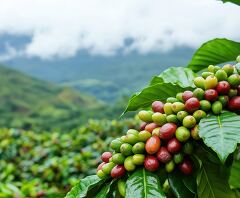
x: 26, y: 102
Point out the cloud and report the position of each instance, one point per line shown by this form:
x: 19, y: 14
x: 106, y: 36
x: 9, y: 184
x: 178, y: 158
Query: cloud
x: 60, y: 28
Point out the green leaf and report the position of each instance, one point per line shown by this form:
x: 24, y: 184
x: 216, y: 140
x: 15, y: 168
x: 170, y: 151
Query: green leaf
x: 178, y: 187
x: 82, y: 188
x: 214, y: 52
x: 144, y: 184
x: 178, y: 75
x: 159, y: 91
x: 212, y: 181
x: 234, y: 179
x: 232, y: 1
x: 104, y: 192
x: 221, y: 133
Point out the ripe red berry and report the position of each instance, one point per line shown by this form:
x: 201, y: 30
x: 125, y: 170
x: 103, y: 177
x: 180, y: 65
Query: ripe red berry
x: 118, y: 171
x: 174, y: 146
x: 163, y: 155
x: 153, y: 144
x: 151, y: 163
x: 186, y: 166
x: 234, y: 104
x: 223, y: 87
x: 211, y: 95
x: 100, y: 166
x: 192, y: 104
x: 187, y: 95
x: 142, y: 126
x: 106, y: 156
x: 150, y: 127
x: 157, y: 106
x: 167, y: 131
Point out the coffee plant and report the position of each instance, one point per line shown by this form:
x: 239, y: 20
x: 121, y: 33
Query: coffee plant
x: 187, y: 144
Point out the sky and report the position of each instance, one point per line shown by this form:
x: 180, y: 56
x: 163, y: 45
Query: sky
x: 60, y: 28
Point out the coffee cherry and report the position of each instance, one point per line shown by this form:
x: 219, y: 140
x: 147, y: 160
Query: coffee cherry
x: 107, y: 168
x: 187, y: 95
x: 101, y: 174
x: 189, y: 121
x: 157, y: 106
x: 128, y: 164
x: 181, y: 115
x: 182, y: 134
x: 138, y: 159
x: 199, y: 82
x: 169, y: 167
x: 238, y: 59
x: 178, y: 158
x: 223, y: 88
x: 151, y: 163
x: 238, y: 90
x: 198, y: 93
x: 211, y: 95
x: 221, y: 75
x: 206, y: 74
x: 179, y: 97
x: 199, y: 114
x: 232, y: 93
x: 211, y: 68
x: 177, y: 106
x: 194, y: 133
x: 138, y: 148
x: 186, y: 167
x: 126, y: 149
x: 174, y: 146
x: 211, y: 82
x: 145, y: 116
x: 167, y: 131
x: 205, y: 105
x: 131, y: 139
x: 144, y: 135
x: 118, y: 158
x: 228, y: 69
x: 234, y: 104
x: 234, y: 80
x: 152, y: 145
x: 142, y: 126
x: 100, y: 166
x: 118, y: 171
x: 132, y: 131
x: 192, y: 105
x: 188, y: 148
x: 116, y: 144
x: 105, y: 156
x: 150, y: 127
x: 122, y: 187
x: 216, y: 68
x: 171, y: 100
x: 166, y: 187
x: 172, y: 119
x: 224, y: 100
x: 217, y: 107
x: 168, y: 108
x: 156, y: 131
x: 159, y: 118
x: 163, y: 155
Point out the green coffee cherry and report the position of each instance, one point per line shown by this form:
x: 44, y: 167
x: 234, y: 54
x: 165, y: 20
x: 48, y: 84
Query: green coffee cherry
x: 238, y: 59
x: 116, y: 144
x: 145, y: 116
x: 159, y: 118
x: 234, y: 80
x: 122, y: 187
x: 206, y: 74
x: 178, y: 106
x: 138, y: 159
x: 128, y: 164
x: 168, y: 108
x: 108, y: 167
x: 210, y: 82
x: 205, y: 105
x: 199, y: 93
x: 169, y: 167
x: 179, y: 97
x: 211, y: 68
x: 216, y: 68
x: 181, y: 115
x: 189, y: 121
x: 232, y: 93
x: 101, y: 174
x: 123, y: 138
x: 194, y: 133
x: 178, y: 158
x: 156, y: 131
x: 166, y: 187
x: 132, y: 131
x: 182, y: 134
x: 229, y: 69
x: 237, y: 66
x: 199, y: 82
x: 217, y: 107
x: 118, y: 158
x: 143, y: 136
x: 172, y: 100
x: 224, y: 100
x: 221, y: 75
x: 188, y: 148
x: 138, y: 148
x: 131, y: 139
x: 199, y: 114
x: 172, y: 119
x: 126, y: 149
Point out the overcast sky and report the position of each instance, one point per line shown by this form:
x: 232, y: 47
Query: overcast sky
x: 59, y: 28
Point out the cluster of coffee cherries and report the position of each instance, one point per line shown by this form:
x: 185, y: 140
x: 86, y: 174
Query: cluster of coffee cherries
x: 167, y: 134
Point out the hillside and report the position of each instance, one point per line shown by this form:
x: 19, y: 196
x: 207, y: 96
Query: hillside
x: 26, y: 102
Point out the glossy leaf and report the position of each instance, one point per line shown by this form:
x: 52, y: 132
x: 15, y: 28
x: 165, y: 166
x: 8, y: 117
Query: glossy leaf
x: 221, y: 133
x: 179, y: 75
x: 105, y: 190
x: 144, y: 184
x: 232, y: 1
x: 82, y: 188
x: 234, y: 179
x: 214, y: 52
x: 159, y: 91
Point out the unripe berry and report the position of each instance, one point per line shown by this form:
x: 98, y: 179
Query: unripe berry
x: 232, y: 93
x: 159, y: 118
x: 199, y: 114
x: 205, y: 105
x: 211, y: 82
x: 150, y: 127
x: 177, y: 106
x: 128, y: 164
x: 224, y: 100
x: 181, y: 115
x: 195, y: 133
x: 189, y: 121
x: 199, y: 82
x: 172, y: 119
x: 100, y: 166
x: 217, y: 107
x: 168, y: 108
x: 234, y: 80
x: 182, y: 134
x: 198, y: 93
x: 144, y: 135
x: 178, y: 158
x: 145, y: 116
x: 169, y: 167
x: 221, y: 75
x: 229, y: 69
